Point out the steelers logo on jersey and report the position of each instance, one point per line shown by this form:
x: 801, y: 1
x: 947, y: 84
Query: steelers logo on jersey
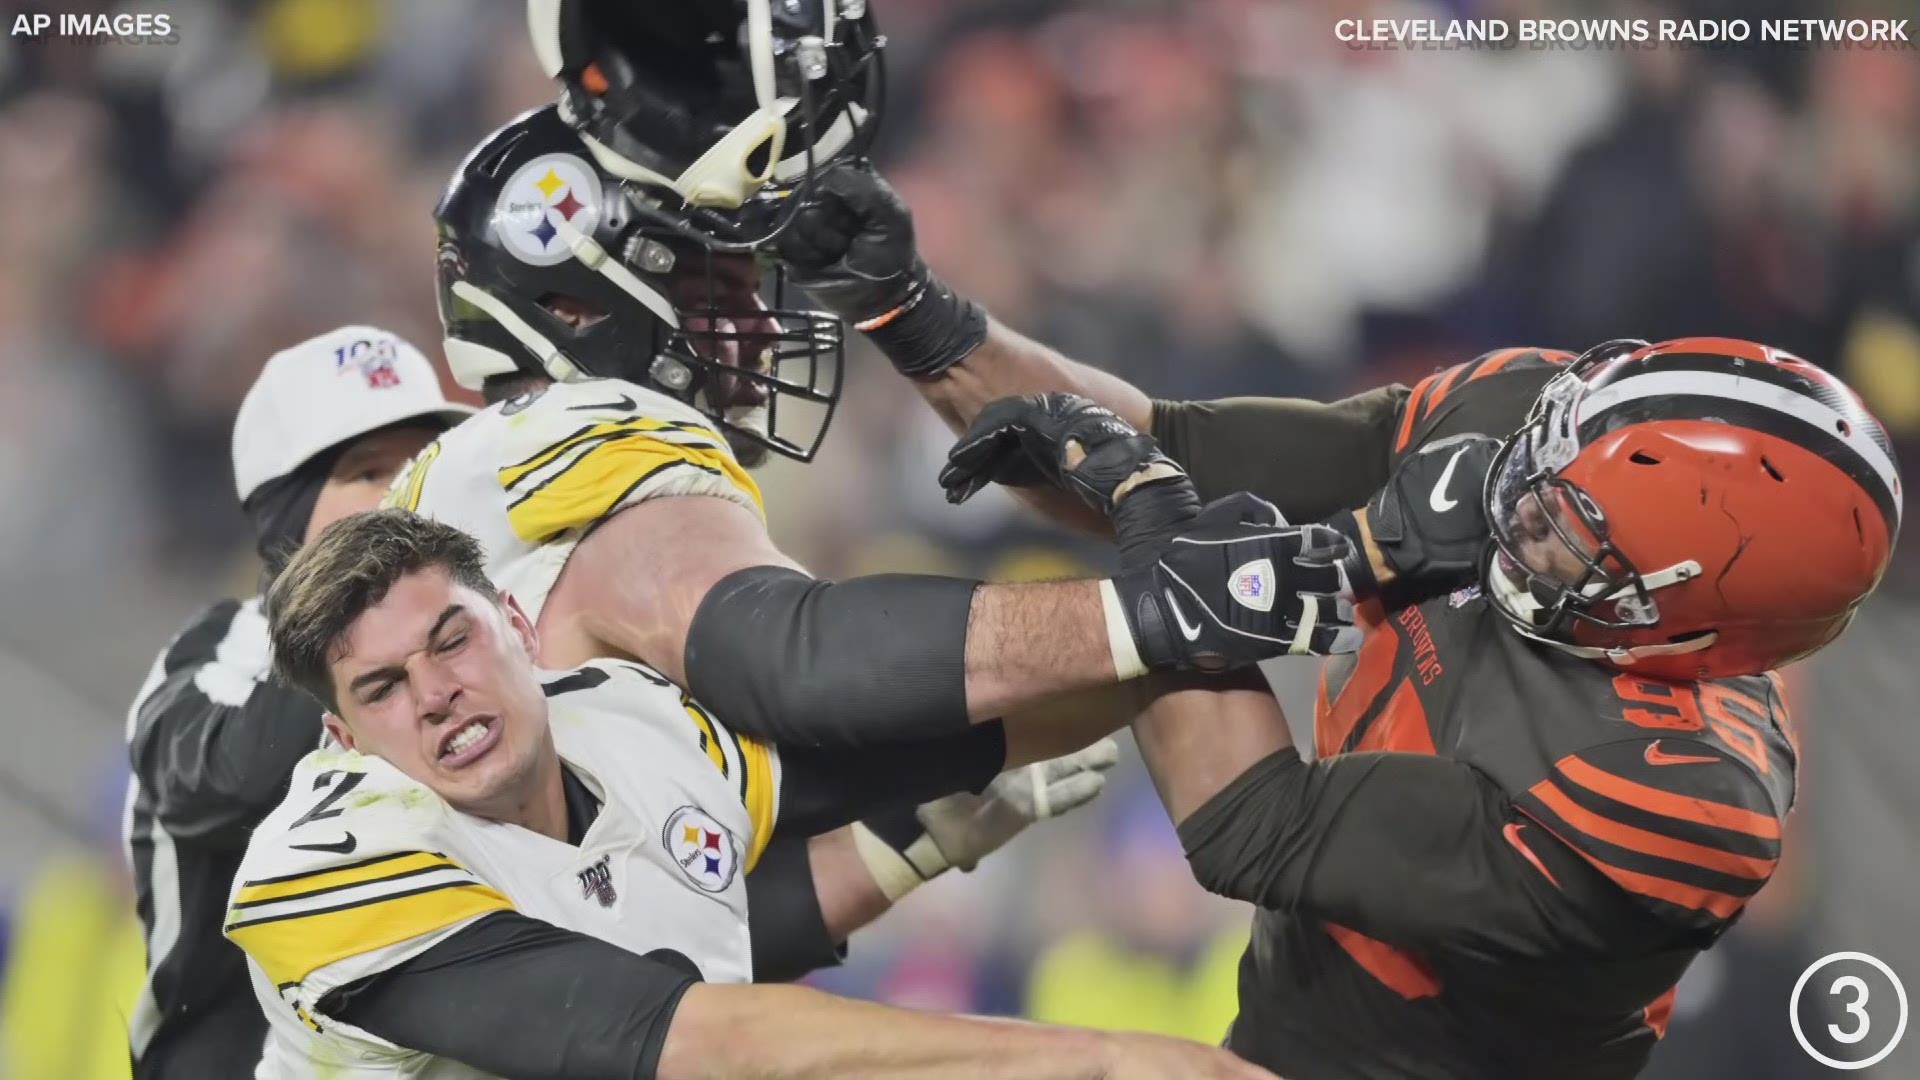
x: 703, y: 848
x: 548, y: 198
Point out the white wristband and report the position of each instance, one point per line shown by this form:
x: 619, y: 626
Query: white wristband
x: 894, y: 873
x: 1126, y: 656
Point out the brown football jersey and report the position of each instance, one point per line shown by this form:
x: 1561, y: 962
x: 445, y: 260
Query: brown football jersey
x: 1523, y: 906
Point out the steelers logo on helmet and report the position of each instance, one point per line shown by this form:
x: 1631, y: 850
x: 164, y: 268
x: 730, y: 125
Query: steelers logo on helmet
x: 546, y: 201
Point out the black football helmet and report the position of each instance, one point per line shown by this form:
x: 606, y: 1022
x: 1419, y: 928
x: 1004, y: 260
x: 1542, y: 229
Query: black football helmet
x: 546, y: 269
x: 719, y: 106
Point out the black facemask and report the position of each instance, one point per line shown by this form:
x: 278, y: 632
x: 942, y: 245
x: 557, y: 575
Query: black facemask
x: 280, y: 509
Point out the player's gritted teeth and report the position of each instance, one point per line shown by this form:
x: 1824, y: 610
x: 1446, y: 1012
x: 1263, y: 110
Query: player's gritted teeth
x: 463, y: 743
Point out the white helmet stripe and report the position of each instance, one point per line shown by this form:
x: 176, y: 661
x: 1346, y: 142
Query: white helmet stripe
x: 760, y: 50
x: 543, y: 22
x: 1766, y: 395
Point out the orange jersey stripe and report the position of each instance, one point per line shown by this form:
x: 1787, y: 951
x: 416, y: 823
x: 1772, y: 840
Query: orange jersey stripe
x: 1400, y: 971
x: 1446, y: 384
x: 1496, y: 362
x: 1667, y: 804
x: 1336, y: 714
x: 1673, y: 892
x: 1412, y: 412
x: 1648, y: 843
x: 1401, y: 726
x: 1660, y: 1012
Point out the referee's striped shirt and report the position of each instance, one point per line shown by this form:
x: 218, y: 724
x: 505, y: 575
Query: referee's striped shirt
x: 212, y: 744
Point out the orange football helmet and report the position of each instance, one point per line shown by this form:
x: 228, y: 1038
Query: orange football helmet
x: 1702, y: 507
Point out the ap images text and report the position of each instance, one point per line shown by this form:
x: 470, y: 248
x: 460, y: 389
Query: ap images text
x: 69, y: 24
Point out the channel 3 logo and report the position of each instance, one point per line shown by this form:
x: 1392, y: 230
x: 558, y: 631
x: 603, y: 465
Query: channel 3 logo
x: 1857, y: 1010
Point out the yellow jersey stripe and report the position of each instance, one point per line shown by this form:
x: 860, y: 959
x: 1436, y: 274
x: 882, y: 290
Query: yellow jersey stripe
x: 709, y: 741
x: 361, y: 873
x: 290, y: 948
x: 604, y: 476
x: 513, y: 474
x: 407, y: 495
x: 761, y: 785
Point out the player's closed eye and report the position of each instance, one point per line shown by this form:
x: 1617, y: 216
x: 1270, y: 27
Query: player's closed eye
x: 451, y: 644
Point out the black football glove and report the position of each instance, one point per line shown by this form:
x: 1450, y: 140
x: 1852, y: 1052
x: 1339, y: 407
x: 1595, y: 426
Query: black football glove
x: 1236, y: 586
x: 850, y: 246
x: 1040, y: 439
x: 1429, y: 523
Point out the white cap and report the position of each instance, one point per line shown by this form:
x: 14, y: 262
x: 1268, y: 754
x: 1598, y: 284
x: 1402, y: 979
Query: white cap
x: 327, y: 390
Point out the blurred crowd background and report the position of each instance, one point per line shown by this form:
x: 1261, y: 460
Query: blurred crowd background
x: 1210, y: 197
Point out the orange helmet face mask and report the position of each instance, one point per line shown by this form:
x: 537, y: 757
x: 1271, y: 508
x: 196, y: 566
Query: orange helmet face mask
x: 1700, y: 508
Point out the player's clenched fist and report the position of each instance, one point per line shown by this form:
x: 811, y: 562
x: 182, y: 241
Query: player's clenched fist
x: 1428, y: 525
x: 1069, y: 442
x: 1197, y: 589
x: 1235, y: 586
x: 850, y: 246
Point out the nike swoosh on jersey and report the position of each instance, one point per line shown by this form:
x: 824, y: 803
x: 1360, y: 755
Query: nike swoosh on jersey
x: 1190, y: 632
x: 338, y: 847
x: 1438, y: 500
x: 1657, y: 756
x: 1511, y: 830
x: 625, y: 404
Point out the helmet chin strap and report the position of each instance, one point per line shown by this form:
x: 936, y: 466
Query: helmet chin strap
x: 836, y: 138
x: 1518, y: 599
x: 595, y: 258
x: 472, y: 364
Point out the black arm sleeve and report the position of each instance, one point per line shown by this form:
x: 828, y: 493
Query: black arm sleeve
x: 1413, y: 850
x: 1308, y: 458
x: 790, y: 936
x: 213, y: 741
x: 821, y: 790
x: 800, y: 662
x: 523, y: 999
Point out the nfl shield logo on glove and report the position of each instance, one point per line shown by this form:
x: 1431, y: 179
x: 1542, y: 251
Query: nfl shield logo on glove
x: 1252, y: 585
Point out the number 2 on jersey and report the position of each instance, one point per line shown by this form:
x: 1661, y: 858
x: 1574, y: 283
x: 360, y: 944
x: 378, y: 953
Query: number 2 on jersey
x: 325, y: 808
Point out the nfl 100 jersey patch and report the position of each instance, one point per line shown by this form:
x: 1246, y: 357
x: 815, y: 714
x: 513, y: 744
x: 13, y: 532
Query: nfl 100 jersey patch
x: 596, y: 882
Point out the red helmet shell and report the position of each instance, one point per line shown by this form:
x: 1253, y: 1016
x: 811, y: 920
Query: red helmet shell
x: 1764, y: 470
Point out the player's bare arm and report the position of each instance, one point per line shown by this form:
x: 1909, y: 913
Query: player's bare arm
x: 782, y: 1032
x: 584, y: 1008
x: 633, y: 588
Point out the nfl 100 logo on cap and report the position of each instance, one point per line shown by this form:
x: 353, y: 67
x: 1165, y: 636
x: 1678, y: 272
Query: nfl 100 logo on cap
x: 1252, y: 585
x: 702, y: 847
x: 374, y: 358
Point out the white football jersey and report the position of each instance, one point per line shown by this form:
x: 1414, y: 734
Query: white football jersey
x: 361, y: 868
x: 529, y: 476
